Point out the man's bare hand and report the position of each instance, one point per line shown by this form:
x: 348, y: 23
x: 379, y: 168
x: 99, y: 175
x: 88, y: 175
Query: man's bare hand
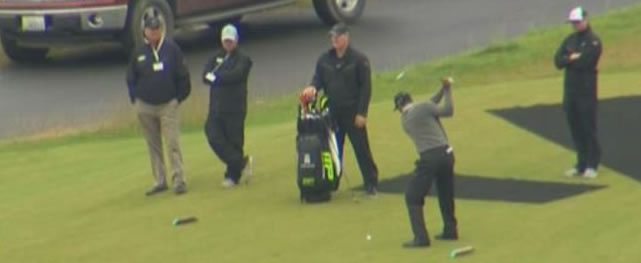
x: 360, y: 121
x: 574, y: 56
x: 309, y: 92
x: 447, y: 82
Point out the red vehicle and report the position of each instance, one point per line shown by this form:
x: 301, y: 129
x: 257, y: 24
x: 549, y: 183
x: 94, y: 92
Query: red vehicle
x: 29, y: 28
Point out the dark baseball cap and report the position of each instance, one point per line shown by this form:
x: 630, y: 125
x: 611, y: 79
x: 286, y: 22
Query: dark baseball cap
x: 152, y: 23
x: 339, y: 29
x: 401, y: 99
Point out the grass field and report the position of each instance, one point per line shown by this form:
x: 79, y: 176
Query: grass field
x: 80, y: 199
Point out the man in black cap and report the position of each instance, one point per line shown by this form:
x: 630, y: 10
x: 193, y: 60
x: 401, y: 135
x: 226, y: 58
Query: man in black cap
x: 158, y: 82
x: 344, y: 74
x: 579, y: 56
x: 227, y: 73
x: 421, y: 121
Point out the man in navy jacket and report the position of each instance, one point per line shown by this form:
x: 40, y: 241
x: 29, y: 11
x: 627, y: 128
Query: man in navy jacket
x: 158, y: 82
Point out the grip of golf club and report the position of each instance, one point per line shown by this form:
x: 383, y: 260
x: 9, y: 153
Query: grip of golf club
x: 461, y: 251
x: 185, y: 220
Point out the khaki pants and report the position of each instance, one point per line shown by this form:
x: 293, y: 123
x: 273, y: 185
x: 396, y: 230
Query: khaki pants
x: 160, y: 121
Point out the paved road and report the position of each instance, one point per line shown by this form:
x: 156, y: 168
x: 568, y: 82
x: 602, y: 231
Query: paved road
x: 86, y: 87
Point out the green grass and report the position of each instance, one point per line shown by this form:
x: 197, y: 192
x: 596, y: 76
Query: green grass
x: 303, y: 4
x: 83, y: 202
x: 80, y: 198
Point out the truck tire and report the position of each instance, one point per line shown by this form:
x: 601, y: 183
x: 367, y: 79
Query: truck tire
x: 22, y: 54
x: 335, y: 11
x: 141, y: 10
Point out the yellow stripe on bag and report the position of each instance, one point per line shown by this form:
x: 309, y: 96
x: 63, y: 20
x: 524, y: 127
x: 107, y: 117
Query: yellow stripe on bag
x: 328, y: 166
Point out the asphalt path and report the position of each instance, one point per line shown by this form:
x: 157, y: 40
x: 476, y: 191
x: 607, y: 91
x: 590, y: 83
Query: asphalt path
x: 86, y: 87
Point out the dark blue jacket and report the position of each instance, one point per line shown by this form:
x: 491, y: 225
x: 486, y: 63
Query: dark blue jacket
x: 155, y: 86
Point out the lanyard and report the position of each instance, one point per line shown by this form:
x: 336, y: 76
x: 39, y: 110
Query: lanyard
x: 156, y: 56
x: 156, y: 51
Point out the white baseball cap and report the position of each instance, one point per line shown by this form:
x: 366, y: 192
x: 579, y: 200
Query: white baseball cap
x: 578, y: 14
x: 229, y: 33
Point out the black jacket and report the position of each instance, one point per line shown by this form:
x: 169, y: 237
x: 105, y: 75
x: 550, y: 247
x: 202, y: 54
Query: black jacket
x: 229, y: 89
x: 346, y: 80
x: 581, y: 74
x: 158, y: 86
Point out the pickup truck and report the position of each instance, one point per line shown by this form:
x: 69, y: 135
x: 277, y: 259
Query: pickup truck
x: 30, y: 28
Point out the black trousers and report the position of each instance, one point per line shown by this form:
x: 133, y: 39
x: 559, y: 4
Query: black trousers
x: 226, y: 136
x: 435, y: 165
x: 360, y: 143
x: 582, y: 120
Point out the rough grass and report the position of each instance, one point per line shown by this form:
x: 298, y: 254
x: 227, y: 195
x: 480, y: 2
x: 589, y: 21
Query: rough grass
x: 304, y: 3
x: 3, y: 59
x: 528, y: 57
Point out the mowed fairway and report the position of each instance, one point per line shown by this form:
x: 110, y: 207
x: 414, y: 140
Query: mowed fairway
x: 82, y: 199
x: 83, y: 202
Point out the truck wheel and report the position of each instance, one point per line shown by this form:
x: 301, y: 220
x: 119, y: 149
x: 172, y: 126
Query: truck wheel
x: 143, y: 9
x: 22, y: 54
x: 335, y: 11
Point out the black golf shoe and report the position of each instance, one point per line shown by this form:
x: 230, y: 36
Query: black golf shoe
x: 156, y: 190
x: 415, y: 243
x: 180, y: 189
x: 447, y: 237
x: 371, y: 191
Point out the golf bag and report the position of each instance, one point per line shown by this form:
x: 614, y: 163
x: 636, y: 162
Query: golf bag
x: 319, y: 168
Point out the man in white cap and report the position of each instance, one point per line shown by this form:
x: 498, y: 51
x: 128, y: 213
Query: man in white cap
x: 226, y: 73
x: 579, y: 56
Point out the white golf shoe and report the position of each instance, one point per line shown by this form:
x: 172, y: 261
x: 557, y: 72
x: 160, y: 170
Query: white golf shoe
x: 228, y: 184
x: 590, y: 173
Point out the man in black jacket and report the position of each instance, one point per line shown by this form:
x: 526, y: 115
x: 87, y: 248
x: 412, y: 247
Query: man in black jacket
x: 579, y: 56
x: 344, y: 74
x: 158, y: 82
x: 226, y: 74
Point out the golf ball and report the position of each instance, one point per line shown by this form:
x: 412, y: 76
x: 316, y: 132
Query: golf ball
x: 368, y: 237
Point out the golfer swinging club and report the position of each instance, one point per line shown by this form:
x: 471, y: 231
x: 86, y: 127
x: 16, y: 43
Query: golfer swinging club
x: 421, y: 121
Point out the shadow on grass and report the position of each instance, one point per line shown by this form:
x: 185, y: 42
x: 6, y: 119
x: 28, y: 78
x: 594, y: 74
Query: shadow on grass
x: 619, y: 125
x: 499, y: 189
